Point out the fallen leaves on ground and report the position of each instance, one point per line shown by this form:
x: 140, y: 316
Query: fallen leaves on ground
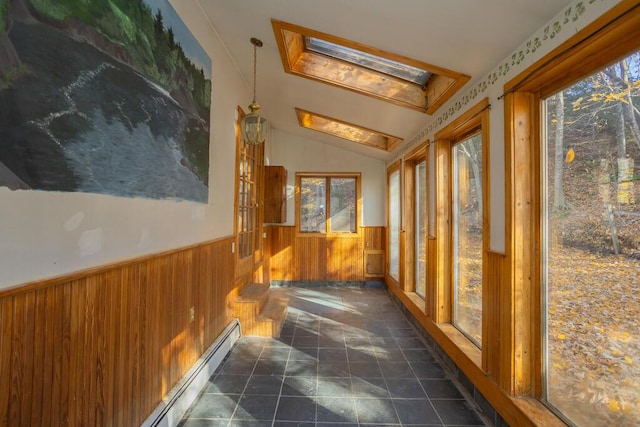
x: 594, y: 337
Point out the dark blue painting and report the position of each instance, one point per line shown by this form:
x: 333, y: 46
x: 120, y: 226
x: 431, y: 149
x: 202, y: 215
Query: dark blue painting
x: 103, y: 96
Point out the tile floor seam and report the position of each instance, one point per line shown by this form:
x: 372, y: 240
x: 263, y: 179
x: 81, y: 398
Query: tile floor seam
x: 329, y: 327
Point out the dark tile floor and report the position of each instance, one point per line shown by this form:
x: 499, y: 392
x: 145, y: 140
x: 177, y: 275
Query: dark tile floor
x: 346, y: 357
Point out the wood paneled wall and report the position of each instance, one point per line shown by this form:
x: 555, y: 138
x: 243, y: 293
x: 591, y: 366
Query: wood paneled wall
x: 319, y: 258
x: 103, y: 347
x: 497, y: 312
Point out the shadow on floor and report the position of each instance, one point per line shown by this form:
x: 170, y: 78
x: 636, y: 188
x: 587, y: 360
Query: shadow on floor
x: 345, y: 357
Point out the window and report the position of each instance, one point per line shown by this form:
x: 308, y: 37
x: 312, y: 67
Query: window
x: 569, y: 170
x: 415, y: 222
x: 591, y: 259
x: 374, y: 62
x: 347, y: 130
x: 384, y: 75
x: 421, y: 227
x: 328, y: 204
x: 461, y: 226
x: 467, y: 236
x: 249, y: 180
x: 394, y: 222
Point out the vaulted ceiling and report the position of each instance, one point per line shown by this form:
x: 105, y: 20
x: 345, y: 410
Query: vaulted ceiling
x: 468, y: 36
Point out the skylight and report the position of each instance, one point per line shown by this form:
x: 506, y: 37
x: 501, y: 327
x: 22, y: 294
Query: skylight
x: 367, y: 70
x: 347, y: 131
x: 368, y: 60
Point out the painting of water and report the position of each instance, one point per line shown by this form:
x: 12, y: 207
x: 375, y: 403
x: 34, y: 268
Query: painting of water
x: 103, y: 96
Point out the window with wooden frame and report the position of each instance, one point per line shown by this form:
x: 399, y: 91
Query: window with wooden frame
x: 364, y: 69
x: 394, y: 215
x: 569, y: 290
x: 249, y: 177
x: 461, y: 150
x: 346, y: 130
x: 328, y: 203
x: 416, y: 211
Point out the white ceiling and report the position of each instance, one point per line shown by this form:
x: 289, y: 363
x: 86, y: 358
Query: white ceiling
x: 467, y: 36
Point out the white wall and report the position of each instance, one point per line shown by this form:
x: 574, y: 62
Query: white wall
x: 46, y: 234
x: 299, y: 154
x: 569, y: 21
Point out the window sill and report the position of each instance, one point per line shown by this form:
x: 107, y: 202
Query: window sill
x: 417, y: 301
x: 333, y: 235
x: 467, y: 358
x: 464, y: 344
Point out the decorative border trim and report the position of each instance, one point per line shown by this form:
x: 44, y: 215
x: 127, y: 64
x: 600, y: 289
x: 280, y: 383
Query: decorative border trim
x: 541, y: 38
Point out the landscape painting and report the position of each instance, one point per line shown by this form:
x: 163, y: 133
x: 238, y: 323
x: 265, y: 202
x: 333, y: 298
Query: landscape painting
x: 103, y: 96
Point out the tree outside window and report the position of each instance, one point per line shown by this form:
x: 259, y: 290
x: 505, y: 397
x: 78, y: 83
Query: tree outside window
x: 328, y: 204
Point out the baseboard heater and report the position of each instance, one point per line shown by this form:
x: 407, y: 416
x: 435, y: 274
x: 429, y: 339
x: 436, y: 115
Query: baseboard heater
x: 170, y: 411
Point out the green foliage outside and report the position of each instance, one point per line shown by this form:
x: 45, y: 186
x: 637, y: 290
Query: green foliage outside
x: 152, y: 47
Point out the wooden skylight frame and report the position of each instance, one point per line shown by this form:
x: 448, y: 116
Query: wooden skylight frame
x: 346, y: 130
x: 441, y: 85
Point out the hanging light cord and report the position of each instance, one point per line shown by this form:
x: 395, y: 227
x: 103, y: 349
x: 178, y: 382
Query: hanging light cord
x: 255, y: 68
x: 256, y: 44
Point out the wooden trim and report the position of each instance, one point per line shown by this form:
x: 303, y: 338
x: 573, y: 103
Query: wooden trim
x: 336, y: 127
x: 609, y: 38
x: 486, y: 231
x: 442, y: 284
x: 464, y: 124
x: 301, y: 62
x: 419, y: 151
x: 240, y: 116
x: 408, y: 265
x: 104, y: 346
x: 417, y: 155
x: 522, y: 237
x: 81, y: 274
x: 476, y: 119
x: 395, y: 167
x: 357, y: 176
x: 497, y: 314
x: 515, y: 411
x: 432, y: 290
x: 278, y: 26
x: 321, y: 258
x: 374, y: 237
x: 612, y: 36
x: 329, y: 174
x: 248, y: 267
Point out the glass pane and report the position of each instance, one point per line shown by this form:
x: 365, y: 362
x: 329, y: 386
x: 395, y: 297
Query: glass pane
x: 250, y: 219
x: 245, y: 221
x: 243, y: 249
x: 421, y: 227
x: 312, y: 210
x: 373, y: 62
x: 343, y: 205
x: 394, y: 225
x: 467, y: 237
x: 592, y: 248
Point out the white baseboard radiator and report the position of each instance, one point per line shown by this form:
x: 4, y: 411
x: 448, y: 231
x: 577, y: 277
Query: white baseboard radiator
x: 170, y: 411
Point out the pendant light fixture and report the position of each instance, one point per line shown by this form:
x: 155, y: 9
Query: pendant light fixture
x: 254, y: 126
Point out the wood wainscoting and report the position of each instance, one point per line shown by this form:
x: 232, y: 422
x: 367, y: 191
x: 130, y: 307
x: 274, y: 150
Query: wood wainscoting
x: 104, y: 346
x: 334, y: 258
